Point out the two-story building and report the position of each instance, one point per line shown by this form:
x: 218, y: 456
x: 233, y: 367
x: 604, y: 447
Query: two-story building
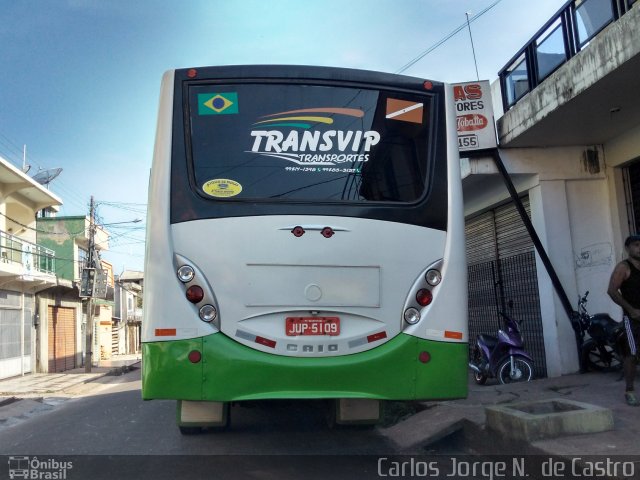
x: 26, y: 268
x: 63, y: 314
x: 570, y: 138
x: 128, y: 311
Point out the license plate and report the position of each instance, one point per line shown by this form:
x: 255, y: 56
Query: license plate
x: 295, y: 326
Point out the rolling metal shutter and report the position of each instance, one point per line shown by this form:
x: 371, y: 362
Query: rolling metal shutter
x: 62, y: 338
x: 501, y: 267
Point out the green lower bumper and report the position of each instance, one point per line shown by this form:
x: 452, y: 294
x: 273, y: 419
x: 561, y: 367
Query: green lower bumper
x: 230, y: 371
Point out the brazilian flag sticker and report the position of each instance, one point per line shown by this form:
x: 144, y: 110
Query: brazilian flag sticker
x: 217, y: 103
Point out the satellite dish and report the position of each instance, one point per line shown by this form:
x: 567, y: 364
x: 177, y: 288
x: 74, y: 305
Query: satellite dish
x: 45, y: 177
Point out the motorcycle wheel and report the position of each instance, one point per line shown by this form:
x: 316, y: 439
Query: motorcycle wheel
x: 479, y: 378
x: 600, y: 358
x: 522, y: 371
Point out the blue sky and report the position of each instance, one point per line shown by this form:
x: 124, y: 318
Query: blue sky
x: 79, y: 79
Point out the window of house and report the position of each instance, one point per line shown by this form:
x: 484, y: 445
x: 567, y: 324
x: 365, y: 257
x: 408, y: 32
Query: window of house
x: 550, y: 50
x: 591, y: 17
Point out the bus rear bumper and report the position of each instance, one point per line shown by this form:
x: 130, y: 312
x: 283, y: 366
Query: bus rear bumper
x: 229, y: 371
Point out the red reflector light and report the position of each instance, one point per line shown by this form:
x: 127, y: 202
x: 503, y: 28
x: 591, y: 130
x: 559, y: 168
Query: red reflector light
x: 266, y: 342
x: 165, y: 332
x: 327, y: 232
x: 298, y: 231
x: 192, y: 73
x: 424, y: 357
x: 195, y: 356
x: 455, y: 335
x: 376, y: 336
x: 424, y: 297
x: 195, y: 294
x: 427, y: 85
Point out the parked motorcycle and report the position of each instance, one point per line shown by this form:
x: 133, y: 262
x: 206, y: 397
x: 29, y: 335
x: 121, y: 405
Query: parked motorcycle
x: 601, y: 352
x: 502, y: 357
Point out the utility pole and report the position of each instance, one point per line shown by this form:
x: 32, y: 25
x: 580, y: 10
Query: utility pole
x: 91, y: 264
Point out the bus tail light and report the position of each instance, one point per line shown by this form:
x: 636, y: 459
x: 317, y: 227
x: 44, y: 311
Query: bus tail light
x: 208, y: 313
x: 197, y: 290
x: 424, y: 297
x: 186, y: 273
x: 411, y: 316
x: 433, y: 277
x: 195, y: 294
x: 420, y: 297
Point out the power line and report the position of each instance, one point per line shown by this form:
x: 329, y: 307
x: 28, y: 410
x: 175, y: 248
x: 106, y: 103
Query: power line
x: 473, y: 50
x: 446, y: 38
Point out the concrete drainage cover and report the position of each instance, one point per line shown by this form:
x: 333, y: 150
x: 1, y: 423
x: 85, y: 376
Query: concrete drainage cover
x: 552, y: 418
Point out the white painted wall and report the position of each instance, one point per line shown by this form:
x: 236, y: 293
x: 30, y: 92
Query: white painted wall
x: 571, y: 213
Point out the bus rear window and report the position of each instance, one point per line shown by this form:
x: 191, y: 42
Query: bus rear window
x: 296, y: 142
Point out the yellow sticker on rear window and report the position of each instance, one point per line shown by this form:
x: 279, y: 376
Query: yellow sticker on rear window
x: 222, y: 188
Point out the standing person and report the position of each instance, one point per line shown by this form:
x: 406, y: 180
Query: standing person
x: 624, y: 289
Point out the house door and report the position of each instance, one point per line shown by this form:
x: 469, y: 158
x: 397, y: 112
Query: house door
x: 502, y: 268
x: 62, y: 338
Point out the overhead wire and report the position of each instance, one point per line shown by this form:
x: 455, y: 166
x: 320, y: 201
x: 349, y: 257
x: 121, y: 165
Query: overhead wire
x: 446, y: 38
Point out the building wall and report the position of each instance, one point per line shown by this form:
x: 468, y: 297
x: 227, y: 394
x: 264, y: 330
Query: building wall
x: 103, y: 324
x: 23, y: 216
x: 569, y: 193
x: 62, y: 240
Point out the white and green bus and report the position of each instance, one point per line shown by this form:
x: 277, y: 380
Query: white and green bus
x: 305, y: 240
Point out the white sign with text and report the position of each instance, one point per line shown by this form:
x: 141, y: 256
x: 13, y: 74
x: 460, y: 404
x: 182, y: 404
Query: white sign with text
x: 474, y: 112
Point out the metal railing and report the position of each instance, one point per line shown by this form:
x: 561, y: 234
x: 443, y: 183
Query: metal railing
x: 568, y: 32
x: 135, y: 315
x: 30, y: 255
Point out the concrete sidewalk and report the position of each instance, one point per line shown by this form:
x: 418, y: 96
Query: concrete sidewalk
x: 467, y: 417
x: 39, y: 384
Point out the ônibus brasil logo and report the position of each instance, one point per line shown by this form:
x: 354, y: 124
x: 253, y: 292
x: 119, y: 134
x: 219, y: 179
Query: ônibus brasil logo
x: 312, y: 147
x: 34, y: 468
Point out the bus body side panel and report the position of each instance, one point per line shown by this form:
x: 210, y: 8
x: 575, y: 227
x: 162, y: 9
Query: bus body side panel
x: 233, y: 372
x: 163, y: 295
x: 167, y: 368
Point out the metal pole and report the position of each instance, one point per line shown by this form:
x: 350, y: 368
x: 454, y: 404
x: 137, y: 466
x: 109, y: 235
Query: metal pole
x: 89, y: 329
x: 555, y: 280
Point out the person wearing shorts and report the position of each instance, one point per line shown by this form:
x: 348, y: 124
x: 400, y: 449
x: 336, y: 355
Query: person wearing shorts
x: 624, y: 289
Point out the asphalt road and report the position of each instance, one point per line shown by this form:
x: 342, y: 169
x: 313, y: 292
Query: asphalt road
x: 109, y: 432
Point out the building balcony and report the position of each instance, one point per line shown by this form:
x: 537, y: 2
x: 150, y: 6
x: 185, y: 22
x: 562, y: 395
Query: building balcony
x: 21, y: 258
x: 577, y: 71
x: 134, y: 316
